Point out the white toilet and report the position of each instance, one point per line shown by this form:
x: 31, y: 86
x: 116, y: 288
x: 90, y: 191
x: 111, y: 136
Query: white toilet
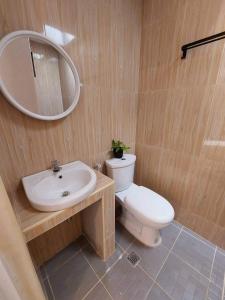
x: 144, y: 212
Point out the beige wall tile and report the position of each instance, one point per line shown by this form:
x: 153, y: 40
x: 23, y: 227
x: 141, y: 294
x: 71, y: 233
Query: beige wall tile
x: 181, y: 114
x: 106, y: 52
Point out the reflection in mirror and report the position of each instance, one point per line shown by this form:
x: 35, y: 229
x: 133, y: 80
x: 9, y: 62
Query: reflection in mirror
x: 37, y: 76
x: 59, y: 37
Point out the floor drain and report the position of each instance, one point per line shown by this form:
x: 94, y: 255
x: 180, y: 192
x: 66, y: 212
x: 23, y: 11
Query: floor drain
x: 133, y: 258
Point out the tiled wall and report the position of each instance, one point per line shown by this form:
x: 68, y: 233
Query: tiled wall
x: 180, y: 141
x: 106, y: 52
x: 181, y: 120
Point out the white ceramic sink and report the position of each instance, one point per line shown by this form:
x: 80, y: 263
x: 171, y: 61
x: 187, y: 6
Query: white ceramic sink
x: 49, y: 191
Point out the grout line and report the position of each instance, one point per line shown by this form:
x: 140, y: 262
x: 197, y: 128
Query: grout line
x: 51, y: 289
x: 207, y: 293
x: 63, y: 263
x: 169, y: 252
x: 100, y: 278
x: 199, y: 238
x: 154, y: 282
x: 188, y: 264
x: 163, y: 290
x: 45, y: 275
x: 177, y: 224
x: 223, y: 289
x: 123, y: 250
x: 131, y: 244
x: 138, y: 266
x: 84, y: 256
x: 221, y: 251
x: 89, y: 243
x: 112, y: 266
x: 107, y: 290
x: 91, y: 289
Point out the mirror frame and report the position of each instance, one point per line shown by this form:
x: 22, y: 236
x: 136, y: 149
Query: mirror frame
x: 39, y: 37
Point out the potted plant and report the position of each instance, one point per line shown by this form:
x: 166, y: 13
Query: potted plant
x: 118, y: 148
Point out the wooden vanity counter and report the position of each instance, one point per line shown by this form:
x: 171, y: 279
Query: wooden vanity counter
x: 98, y: 217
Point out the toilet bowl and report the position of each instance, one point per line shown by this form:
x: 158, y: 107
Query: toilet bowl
x: 144, y: 212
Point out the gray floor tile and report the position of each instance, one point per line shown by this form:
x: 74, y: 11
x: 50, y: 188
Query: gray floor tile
x: 222, y: 251
x: 218, y: 270
x: 214, y: 293
x: 169, y: 235
x: 101, y: 267
x: 157, y: 294
x: 73, y: 279
x: 180, y: 281
x: 123, y: 237
x: 53, y: 264
x: 176, y: 223
x: 47, y: 290
x: 44, y: 283
x: 195, y: 252
x: 98, y: 293
x: 41, y: 272
x: 198, y: 236
x: 151, y: 258
x: 124, y: 282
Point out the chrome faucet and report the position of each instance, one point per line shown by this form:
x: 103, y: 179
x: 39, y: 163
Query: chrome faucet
x: 55, y: 166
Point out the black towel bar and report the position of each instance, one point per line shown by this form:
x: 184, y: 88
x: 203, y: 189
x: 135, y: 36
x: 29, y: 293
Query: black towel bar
x: 207, y: 40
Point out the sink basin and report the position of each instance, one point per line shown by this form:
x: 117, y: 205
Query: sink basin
x: 49, y: 191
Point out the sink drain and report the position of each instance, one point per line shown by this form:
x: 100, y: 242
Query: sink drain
x: 66, y: 193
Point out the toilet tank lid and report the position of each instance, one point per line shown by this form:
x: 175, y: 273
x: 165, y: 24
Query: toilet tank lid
x: 126, y: 160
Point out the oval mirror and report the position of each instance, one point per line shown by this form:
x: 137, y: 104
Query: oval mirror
x: 37, y: 76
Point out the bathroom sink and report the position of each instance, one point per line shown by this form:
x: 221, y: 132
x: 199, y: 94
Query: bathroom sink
x: 52, y: 191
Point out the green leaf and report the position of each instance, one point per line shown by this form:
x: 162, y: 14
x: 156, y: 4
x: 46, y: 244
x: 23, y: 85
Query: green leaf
x: 118, y: 145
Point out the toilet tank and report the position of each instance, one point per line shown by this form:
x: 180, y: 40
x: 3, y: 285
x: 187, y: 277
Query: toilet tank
x: 121, y: 170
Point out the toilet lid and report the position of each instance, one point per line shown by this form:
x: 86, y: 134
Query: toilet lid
x: 148, y: 206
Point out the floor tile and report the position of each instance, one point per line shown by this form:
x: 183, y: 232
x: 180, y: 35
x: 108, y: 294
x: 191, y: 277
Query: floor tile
x: 214, y: 292
x: 169, y: 235
x: 222, y: 251
x: 180, y: 281
x: 101, y: 267
x: 47, y: 290
x: 41, y: 272
x: 53, y: 264
x: 42, y: 276
x: 218, y: 270
x: 73, y: 279
x: 123, y: 237
x: 195, y: 234
x: 98, y: 293
x: 152, y: 259
x: 125, y: 282
x: 195, y: 252
x: 157, y: 294
x: 176, y: 223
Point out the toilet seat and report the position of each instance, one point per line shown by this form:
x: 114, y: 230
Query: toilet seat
x: 148, y: 207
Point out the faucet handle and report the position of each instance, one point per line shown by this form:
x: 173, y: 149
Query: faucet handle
x: 55, y: 166
x: 55, y: 162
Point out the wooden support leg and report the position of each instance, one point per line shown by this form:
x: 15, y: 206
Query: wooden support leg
x: 98, y: 223
x: 18, y: 277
